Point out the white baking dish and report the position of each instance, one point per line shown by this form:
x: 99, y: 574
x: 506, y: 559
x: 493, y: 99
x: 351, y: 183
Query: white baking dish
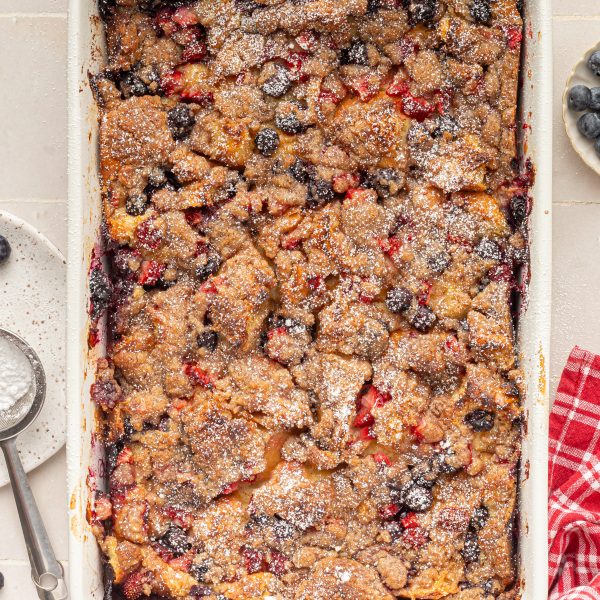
x: 84, y: 461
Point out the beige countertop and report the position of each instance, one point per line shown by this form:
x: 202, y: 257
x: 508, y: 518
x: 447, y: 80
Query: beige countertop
x: 33, y: 185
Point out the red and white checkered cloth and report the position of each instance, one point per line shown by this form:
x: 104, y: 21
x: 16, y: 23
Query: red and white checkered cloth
x: 574, y: 482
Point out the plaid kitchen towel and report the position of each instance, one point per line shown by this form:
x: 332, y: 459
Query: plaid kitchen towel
x: 574, y: 482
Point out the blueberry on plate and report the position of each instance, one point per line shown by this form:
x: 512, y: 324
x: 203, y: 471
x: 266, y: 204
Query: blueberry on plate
x: 594, y: 103
x: 594, y: 63
x: 579, y: 97
x: 589, y: 125
x: 4, y: 249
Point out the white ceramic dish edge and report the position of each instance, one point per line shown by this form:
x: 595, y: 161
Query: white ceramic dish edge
x: 84, y: 218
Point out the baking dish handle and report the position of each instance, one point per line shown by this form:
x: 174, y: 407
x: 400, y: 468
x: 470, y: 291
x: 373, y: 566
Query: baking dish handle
x: 47, y: 573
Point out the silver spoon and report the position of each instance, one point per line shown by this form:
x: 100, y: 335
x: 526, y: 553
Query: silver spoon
x: 46, y: 572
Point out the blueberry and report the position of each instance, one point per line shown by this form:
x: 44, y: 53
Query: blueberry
x: 518, y: 209
x: 267, y: 141
x: 290, y: 124
x: 198, y: 571
x: 319, y: 192
x: 398, y: 300
x: 131, y: 85
x: 100, y: 290
x: 424, y: 319
x: 589, y: 125
x: 415, y: 497
x: 356, y: 54
x: 422, y: 11
x: 175, y: 540
x: 480, y: 516
x: 597, y: 146
x: 488, y: 249
x: 277, y: 85
x: 1, y: 581
x: 208, y: 339
x: 594, y: 63
x: 386, y: 182
x: 374, y: 5
x: 247, y: 6
x: 480, y: 420
x: 136, y: 204
x: 470, y: 551
x: 181, y: 121
x: 439, y: 262
x: 579, y: 97
x: 210, y: 267
x: 4, y: 249
x: 445, y: 124
x: 594, y: 103
x: 481, y: 11
x: 300, y: 171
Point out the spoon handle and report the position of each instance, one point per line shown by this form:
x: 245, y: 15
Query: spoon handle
x: 46, y: 572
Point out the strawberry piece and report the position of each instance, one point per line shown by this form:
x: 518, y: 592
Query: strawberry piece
x: 193, y: 216
x: 328, y: 96
x: 410, y: 521
x: 365, y: 88
x: 255, y: 560
x: 278, y: 563
x: 171, y: 82
x: 397, y: 89
x: 164, y: 21
x: 363, y: 418
x: 389, y: 511
x: 501, y: 272
x: 290, y: 243
x: 133, y: 586
x: 198, y: 97
x: 417, y: 108
x: 443, y: 101
x: 417, y: 433
x: 93, y: 337
x: 314, y: 283
x: 230, y: 488
x: 408, y: 46
x: 452, y: 344
x: 277, y: 331
x: 366, y: 434
x: 366, y: 299
x: 390, y: 246
x: 150, y: 272
x: 184, y: 17
x: 354, y: 192
x: 373, y: 397
x: 183, y: 562
x: 102, y: 507
x: 194, y: 52
x: 416, y: 537
x: 453, y: 518
x: 344, y: 182
x: 307, y: 40
x: 209, y: 287
x: 197, y: 375
x: 423, y: 297
x: 295, y: 64
x: 125, y: 456
x: 514, y: 36
x: 382, y: 459
x: 148, y: 235
x: 180, y: 517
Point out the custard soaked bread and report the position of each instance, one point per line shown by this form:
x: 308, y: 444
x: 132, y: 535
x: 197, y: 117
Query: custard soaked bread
x: 314, y: 219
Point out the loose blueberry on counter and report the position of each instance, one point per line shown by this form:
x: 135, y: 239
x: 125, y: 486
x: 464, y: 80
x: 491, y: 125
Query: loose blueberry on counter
x: 356, y: 54
x: 208, y: 339
x: 210, y: 267
x: 277, y: 85
x: 398, y: 300
x: 290, y: 124
x: 422, y: 11
x: 136, y: 204
x: 481, y: 11
x: 424, y: 319
x: 488, y: 249
x: 5, y: 249
x: 181, y: 121
x: 589, y: 125
x: 267, y: 141
x: 594, y: 103
x: 594, y: 63
x: 579, y: 98
x: 480, y: 420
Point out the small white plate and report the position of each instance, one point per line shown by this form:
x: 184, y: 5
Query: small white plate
x: 581, y: 75
x: 32, y: 305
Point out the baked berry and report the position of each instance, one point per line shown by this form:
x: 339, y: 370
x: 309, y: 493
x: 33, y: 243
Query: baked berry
x: 100, y: 290
x: 319, y: 192
x: 424, y: 319
x: 374, y: 5
x: 386, y: 182
x: 416, y: 498
x: 208, y: 339
x: 597, y: 146
x: 267, y: 141
x: 579, y: 98
x: 480, y: 420
x: 247, y: 6
x: 181, y: 121
x: 439, y: 262
x: 589, y: 125
x: 210, y: 267
x: 480, y: 516
x: 518, y: 209
x: 201, y: 591
x: 277, y: 85
x: 422, y: 11
x: 471, y: 550
x: 481, y: 11
x: 5, y: 249
x: 198, y: 571
x: 398, y: 300
x: 594, y: 103
x: 175, y: 540
x: 290, y: 124
x: 445, y: 124
x: 356, y: 54
x: 300, y: 171
x: 136, y: 204
x: 131, y: 85
x: 594, y: 63
x: 488, y: 249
